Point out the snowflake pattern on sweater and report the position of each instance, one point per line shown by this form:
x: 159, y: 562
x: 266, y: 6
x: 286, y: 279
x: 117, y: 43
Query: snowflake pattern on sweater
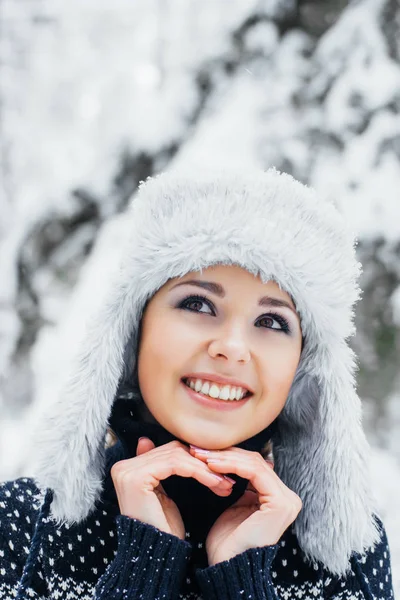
x: 115, y: 557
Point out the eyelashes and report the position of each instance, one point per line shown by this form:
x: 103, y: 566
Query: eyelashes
x: 281, y: 320
x: 285, y: 327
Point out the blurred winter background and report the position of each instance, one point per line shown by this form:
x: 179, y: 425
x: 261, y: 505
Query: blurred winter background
x: 97, y: 95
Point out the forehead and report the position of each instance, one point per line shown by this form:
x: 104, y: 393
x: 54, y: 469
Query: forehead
x: 231, y: 277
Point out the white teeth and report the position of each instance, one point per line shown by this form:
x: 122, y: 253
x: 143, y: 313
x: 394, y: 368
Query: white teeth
x: 226, y: 392
x: 205, y: 387
x: 214, y: 391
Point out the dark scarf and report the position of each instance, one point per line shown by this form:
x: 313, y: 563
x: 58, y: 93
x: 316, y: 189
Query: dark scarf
x: 198, y: 505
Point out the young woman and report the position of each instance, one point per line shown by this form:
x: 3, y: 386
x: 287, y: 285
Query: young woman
x: 220, y: 361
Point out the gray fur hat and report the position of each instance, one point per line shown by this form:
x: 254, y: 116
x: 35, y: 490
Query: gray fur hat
x: 277, y: 228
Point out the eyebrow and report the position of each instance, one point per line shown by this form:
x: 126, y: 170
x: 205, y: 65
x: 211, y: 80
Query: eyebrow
x: 218, y: 290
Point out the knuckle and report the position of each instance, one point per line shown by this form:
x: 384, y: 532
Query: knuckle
x: 256, y: 456
x: 175, y: 444
x: 297, y: 503
x: 120, y: 475
x: 295, y: 497
x: 180, y: 451
x: 176, y: 457
x: 118, y: 468
x: 259, y: 461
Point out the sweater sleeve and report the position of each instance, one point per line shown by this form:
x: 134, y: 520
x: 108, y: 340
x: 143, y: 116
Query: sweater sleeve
x: 370, y: 577
x: 149, y: 563
x: 246, y: 575
x: 249, y: 575
x: 19, y: 506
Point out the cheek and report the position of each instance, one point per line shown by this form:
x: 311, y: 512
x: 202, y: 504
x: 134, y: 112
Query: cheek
x: 279, y: 369
x: 164, y: 350
x: 154, y: 354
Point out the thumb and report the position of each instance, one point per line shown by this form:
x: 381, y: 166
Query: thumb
x: 144, y: 445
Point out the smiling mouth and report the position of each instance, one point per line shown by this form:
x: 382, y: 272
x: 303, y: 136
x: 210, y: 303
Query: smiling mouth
x: 246, y: 395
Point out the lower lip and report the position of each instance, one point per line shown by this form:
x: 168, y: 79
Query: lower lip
x: 215, y: 403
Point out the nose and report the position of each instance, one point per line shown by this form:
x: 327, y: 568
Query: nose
x: 231, y: 345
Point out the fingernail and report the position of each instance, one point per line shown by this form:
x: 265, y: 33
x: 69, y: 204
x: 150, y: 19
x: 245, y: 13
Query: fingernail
x: 232, y: 481
x: 213, y: 459
x: 199, y: 450
x: 219, y: 477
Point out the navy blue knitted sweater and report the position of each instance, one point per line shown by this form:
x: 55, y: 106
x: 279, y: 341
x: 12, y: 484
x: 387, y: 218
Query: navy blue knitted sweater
x: 111, y: 556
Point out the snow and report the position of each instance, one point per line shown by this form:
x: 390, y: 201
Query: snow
x: 361, y: 82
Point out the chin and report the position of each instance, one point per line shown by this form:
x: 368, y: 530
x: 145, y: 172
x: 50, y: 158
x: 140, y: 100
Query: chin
x: 208, y: 442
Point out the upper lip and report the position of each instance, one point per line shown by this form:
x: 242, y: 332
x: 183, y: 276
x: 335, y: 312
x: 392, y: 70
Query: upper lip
x: 219, y: 379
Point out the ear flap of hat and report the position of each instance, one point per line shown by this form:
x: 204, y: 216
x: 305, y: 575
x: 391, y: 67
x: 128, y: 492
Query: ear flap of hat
x: 321, y: 453
x: 74, y: 427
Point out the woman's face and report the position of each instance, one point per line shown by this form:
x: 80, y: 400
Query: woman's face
x: 213, y: 323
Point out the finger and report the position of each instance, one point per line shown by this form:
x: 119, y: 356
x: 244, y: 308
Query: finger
x: 203, y: 455
x: 144, y: 445
x: 188, y: 466
x: 249, y: 498
x: 200, y: 455
x: 173, y: 459
x: 251, y: 488
x: 235, y: 453
x: 222, y: 478
x: 251, y: 466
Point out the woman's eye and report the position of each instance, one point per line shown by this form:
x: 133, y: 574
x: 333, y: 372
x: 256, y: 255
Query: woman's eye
x: 283, y: 324
x: 273, y: 320
x: 194, y: 303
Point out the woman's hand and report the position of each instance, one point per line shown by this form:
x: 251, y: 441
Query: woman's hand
x: 261, y: 514
x: 140, y: 493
